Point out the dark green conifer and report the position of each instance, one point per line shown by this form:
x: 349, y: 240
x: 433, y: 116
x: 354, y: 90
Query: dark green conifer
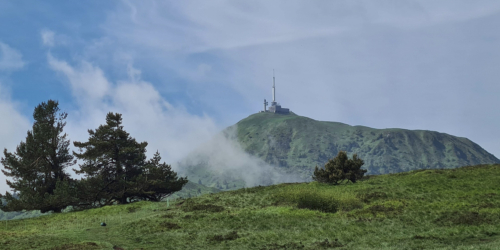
x: 38, y: 166
x: 112, y: 163
x: 339, y: 169
x: 158, y: 180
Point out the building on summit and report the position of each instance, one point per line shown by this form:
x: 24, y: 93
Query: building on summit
x: 275, y: 107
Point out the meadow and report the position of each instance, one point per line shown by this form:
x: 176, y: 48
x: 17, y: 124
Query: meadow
x: 422, y: 209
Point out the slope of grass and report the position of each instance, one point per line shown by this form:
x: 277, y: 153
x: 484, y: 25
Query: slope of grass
x: 300, y: 143
x: 424, y: 209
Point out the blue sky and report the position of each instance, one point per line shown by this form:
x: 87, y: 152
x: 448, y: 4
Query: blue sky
x: 180, y: 71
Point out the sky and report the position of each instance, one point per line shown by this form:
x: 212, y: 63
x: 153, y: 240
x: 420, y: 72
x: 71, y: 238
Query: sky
x: 181, y: 71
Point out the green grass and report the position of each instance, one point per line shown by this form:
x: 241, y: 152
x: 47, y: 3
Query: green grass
x: 424, y: 209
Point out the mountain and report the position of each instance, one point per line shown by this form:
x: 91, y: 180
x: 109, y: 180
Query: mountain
x: 292, y: 141
x: 296, y: 144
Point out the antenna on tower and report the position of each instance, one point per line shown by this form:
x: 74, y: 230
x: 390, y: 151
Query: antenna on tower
x: 274, y: 96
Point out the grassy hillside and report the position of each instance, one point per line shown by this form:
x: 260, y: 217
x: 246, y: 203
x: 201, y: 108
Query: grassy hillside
x: 191, y: 189
x: 301, y: 143
x: 424, y: 209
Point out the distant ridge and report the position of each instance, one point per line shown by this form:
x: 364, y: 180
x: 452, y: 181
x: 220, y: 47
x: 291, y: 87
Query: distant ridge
x: 299, y: 143
x: 269, y: 148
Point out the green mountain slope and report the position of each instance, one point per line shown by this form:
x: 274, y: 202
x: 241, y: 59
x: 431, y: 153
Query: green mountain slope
x: 269, y: 148
x: 301, y: 143
x: 423, y: 209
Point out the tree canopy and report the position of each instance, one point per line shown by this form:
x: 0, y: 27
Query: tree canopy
x: 38, y: 165
x: 112, y: 162
x: 158, y: 180
x: 116, y: 168
x: 339, y: 169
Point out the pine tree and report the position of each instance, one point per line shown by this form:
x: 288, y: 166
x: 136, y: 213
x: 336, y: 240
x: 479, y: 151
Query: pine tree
x: 112, y: 163
x: 157, y: 181
x: 339, y: 169
x: 38, y: 166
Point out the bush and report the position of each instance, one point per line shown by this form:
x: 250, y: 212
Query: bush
x: 339, y: 169
x: 315, y: 201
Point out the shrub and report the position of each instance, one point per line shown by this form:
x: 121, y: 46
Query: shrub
x: 339, y: 169
x: 315, y: 201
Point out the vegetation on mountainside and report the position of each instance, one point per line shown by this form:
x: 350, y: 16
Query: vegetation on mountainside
x: 423, y: 209
x: 298, y: 144
x: 115, y: 167
x: 339, y: 169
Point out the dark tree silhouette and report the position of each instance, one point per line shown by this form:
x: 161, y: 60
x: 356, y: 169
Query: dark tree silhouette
x: 339, y: 169
x: 38, y: 166
x: 112, y: 163
x: 116, y: 169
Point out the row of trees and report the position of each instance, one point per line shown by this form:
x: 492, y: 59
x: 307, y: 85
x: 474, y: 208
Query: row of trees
x: 114, y: 166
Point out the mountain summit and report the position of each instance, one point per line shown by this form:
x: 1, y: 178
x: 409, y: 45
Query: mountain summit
x: 300, y: 143
x: 268, y: 148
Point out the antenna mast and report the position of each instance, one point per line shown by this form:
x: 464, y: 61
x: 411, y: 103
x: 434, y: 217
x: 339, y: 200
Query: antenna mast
x: 274, y: 97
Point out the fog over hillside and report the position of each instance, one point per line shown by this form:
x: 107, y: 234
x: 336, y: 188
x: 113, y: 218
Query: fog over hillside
x: 225, y: 157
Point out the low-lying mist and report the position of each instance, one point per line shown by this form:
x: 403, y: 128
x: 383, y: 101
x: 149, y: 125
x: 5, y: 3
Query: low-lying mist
x: 224, y: 156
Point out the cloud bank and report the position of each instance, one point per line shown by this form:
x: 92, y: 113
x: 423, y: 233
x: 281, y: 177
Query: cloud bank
x: 225, y: 157
x: 146, y: 115
x: 14, y: 126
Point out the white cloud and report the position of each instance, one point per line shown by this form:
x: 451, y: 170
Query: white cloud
x: 47, y: 37
x: 146, y: 115
x: 13, y: 128
x: 225, y: 156
x: 10, y: 59
x: 88, y: 83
